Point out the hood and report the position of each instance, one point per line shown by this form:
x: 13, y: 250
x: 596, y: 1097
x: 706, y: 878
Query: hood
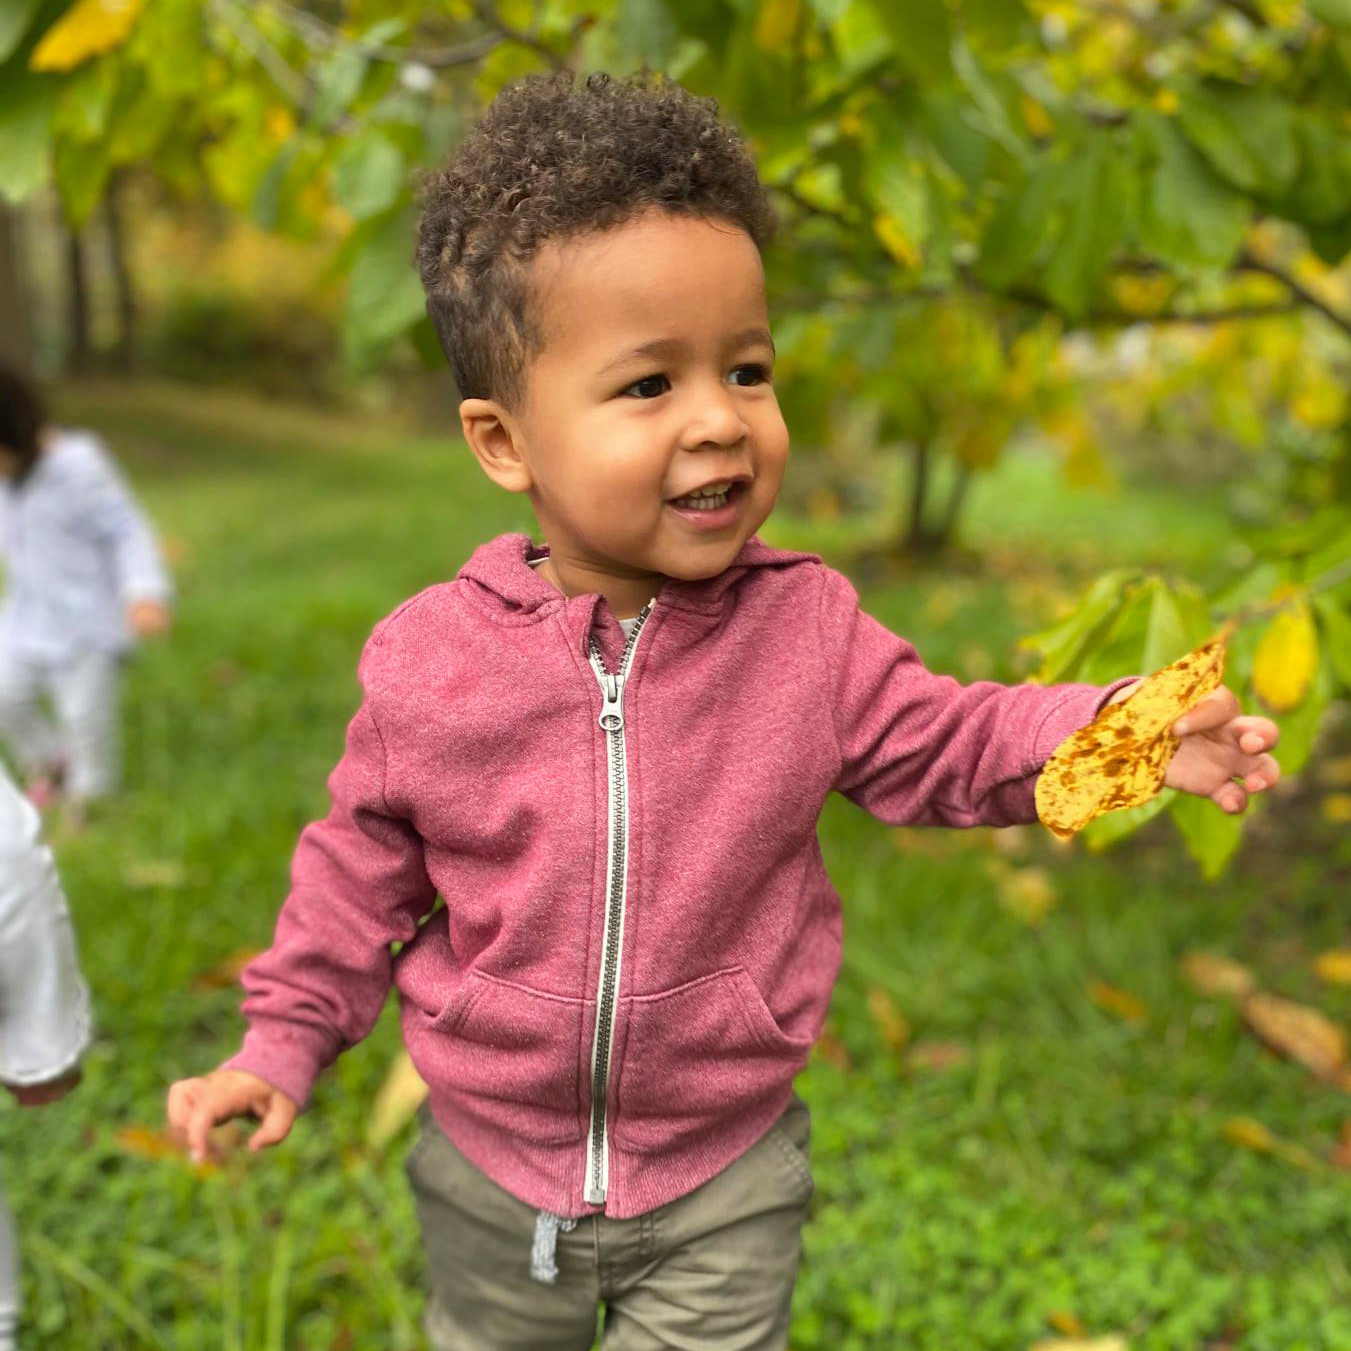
x: 514, y: 593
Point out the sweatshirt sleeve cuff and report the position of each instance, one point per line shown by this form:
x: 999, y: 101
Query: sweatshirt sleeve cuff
x: 1080, y: 706
x: 289, y: 1056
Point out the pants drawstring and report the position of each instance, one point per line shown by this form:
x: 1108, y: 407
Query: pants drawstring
x: 544, y: 1250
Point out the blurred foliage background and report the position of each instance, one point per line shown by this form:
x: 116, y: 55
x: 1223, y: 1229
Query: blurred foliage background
x: 1062, y: 297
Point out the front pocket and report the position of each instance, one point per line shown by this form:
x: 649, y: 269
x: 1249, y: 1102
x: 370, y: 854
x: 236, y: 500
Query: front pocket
x: 697, y: 1055
x: 510, y: 1053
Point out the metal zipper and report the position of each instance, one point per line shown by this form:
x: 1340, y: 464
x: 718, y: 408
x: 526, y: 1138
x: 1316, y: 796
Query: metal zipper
x: 616, y: 886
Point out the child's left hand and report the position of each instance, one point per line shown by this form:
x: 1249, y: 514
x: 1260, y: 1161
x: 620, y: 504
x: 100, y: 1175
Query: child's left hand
x: 1222, y: 753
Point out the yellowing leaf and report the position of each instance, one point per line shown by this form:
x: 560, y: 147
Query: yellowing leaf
x: 1121, y: 758
x: 1120, y: 1003
x: 831, y: 1049
x: 1112, y: 1343
x: 891, y: 1022
x: 1036, y: 117
x: 1212, y: 974
x: 1298, y: 1032
x: 1336, y: 809
x: 88, y: 28
x: 225, y: 973
x: 937, y: 1055
x: 1027, y: 893
x: 1247, y: 1133
x: 1066, y: 1323
x: 1334, y: 967
x: 895, y: 240
x: 399, y: 1097
x: 776, y: 23
x: 1284, y: 664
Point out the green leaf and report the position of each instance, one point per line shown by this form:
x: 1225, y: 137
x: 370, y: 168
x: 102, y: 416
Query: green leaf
x: 1064, y: 644
x: 921, y: 36
x: 1107, y: 830
x: 1097, y: 199
x: 1189, y: 216
x: 644, y: 33
x: 1248, y: 135
x: 368, y: 175
x: 1019, y: 228
x: 384, y: 295
x: 1334, y: 12
x: 1336, y: 626
x: 1210, y: 833
x: 1166, y: 638
x: 27, y: 103
x: 15, y: 17
x: 337, y: 85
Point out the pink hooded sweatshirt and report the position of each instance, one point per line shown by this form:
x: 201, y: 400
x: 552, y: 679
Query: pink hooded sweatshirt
x: 639, y: 939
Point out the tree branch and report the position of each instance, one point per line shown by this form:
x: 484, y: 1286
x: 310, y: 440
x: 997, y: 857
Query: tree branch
x: 318, y: 33
x: 1249, y: 262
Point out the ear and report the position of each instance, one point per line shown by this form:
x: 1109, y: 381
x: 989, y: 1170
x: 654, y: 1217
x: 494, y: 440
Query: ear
x: 495, y: 438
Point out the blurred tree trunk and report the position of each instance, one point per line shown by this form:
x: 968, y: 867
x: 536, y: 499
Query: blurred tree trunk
x: 16, y: 329
x: 124, y: 284
x: 79, y: 349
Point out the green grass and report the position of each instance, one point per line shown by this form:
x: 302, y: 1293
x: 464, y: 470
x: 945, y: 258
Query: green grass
x: 1071, y: 1162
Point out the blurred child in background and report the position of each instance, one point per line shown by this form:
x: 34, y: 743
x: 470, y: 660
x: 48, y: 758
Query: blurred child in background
x: 83, y: 579
x: 44, y: 1005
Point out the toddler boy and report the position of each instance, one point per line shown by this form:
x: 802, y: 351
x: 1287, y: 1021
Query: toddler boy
x: 607, y: 753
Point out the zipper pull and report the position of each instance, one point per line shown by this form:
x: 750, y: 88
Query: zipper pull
x: 612, y: 709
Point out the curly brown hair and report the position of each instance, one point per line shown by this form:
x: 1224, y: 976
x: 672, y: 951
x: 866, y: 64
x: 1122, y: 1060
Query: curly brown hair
x: 555, y: 156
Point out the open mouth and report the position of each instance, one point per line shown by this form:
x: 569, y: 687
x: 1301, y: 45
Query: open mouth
x: 710, y: 498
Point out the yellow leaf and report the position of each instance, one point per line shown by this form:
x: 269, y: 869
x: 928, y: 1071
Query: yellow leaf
x: 1121, y: 758
x: 1167, y: 101
x: 1298, y: 1032
x: 1027, y: 893
x: 1066, y: 1323
x: 226, y: 973
x: 1284, y: 664
x: 937, y: 1055
x: 88, y: 28
x: 895, y: 240
x: 1247, y: 1133
x: 1112, y: 1343
x: 776, y: 23
x: 1036, y: 117
x: 1334, y: 967
x: 1120, y: 1003
x: 891, y: 1022
x: 1336, y: 809
x: 399, y: 1097
x: 1212, y: 974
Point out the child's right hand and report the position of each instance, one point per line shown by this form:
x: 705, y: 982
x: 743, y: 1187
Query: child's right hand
x: 196, y: 1105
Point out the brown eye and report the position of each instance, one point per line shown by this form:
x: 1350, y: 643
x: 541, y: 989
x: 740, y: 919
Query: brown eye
x: 749, y: 375
x: 650, y: 387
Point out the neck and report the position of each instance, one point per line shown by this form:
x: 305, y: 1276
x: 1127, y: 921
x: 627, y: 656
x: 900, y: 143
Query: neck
x: 625, y: 593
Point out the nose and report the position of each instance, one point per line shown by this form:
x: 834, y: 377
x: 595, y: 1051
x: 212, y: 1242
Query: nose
x: 714, y: 419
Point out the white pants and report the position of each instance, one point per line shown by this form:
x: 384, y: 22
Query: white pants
x: 79, y: 736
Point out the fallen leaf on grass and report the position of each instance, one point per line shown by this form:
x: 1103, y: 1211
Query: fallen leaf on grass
x: 1299, y: 1033
x: 162, y: 872
x: 1334, y: 967
x: 149, y: 1142
x: 891, y: 1022
x: 1066, y: 1323
x: 1341, y: 1155
x: 832, y: 1050
x: 1120, y: 1003
x: 1335, y: 773
x: 398, y: 1098
x: 1247, y: 1133
x: 1121, y: 758
x: 1026, y: 893
x: 226, y: 973
x: 1111, y: 1343
x: 937, y: 1055
x: 1335, y: 809
x: 1211, y: 974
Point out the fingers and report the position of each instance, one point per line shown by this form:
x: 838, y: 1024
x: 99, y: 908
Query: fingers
x: 1214, y: 710
x: 1261, y: 772
x: 1230, y: 796
x: 277, y: 1122
x: 196, y: 1105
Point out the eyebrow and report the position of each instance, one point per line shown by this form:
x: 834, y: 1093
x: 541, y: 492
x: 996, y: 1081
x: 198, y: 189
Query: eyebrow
x: 667, y: 349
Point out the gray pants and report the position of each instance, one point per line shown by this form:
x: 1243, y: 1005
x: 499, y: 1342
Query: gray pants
x: 713, y: 1270
x: 79, y: 735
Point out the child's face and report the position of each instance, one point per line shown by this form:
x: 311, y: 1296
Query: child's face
x: 655, y: 382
